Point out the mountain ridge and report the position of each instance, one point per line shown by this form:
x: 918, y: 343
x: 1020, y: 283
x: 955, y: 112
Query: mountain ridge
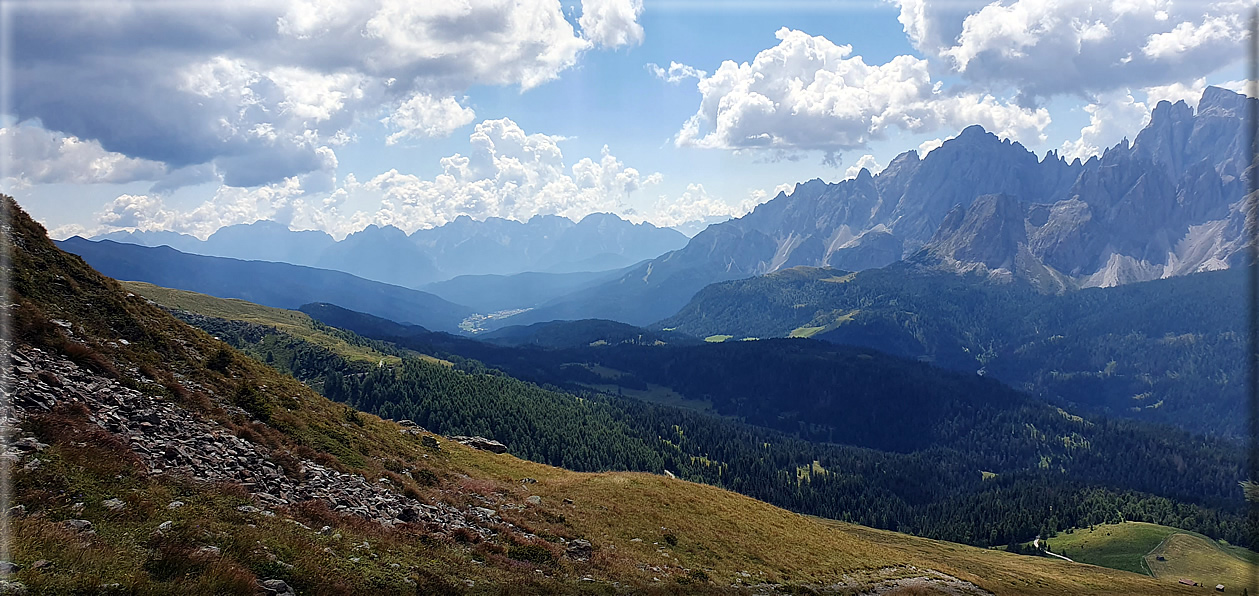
x: 280, y: 285
x: 1167, y: 204
x: 464, y: 246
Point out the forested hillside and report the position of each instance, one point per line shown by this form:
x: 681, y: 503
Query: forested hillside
x: 1169, y: 351
x: 995, y: 467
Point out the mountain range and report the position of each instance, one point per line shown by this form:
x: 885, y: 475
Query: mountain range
x: 280, y: 285
x: 1166, y: 204
x: 494, y: 246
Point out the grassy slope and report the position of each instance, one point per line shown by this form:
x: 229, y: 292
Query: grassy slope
x: 1197, y: 558
x: 292, y: 322
x: 604, y: 504
x: 1136, y: 546
x: 1118, y: 546
x: 720, y: 532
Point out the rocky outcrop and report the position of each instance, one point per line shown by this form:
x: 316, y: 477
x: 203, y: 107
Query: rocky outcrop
x: 481, y: 443
x: 171, y: 440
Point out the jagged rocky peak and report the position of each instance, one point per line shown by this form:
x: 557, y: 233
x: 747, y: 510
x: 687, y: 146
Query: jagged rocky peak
x: 1217, y: 101
x: 989, y: 232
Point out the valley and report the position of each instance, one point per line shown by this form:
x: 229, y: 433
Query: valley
x: 622, y: 297
x: 87, y: 521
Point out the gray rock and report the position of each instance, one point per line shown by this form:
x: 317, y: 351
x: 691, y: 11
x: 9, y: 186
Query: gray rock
x: 80, y: 525
x: 175, y: 505
x: 114, y: 504
x: 11, y: 587
x: 579, y: 550
x: 534, y: 500
x: 9, y: 567
x: 276, y: 587
x: 482, y: 443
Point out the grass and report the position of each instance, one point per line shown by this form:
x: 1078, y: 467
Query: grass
x: 1117, y: 546
x: 1194, y: 557
x: 724, y: 534
x: 806, y: 331
x: 1136, y: 547
x: 292, y: 322
x: 839, y: 279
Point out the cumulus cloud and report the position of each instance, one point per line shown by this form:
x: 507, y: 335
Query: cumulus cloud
x: 506, y: 173
x: 928, y: 146
x: 676, y: 73
x: 33, y: 155
x: 1189, y: 92
x: 808, y: 93
x: 1051, y: 47
x: 612, y: 23
x: 230, y: 205
x: 1245, y: 87
x: 1112, y: 117
x: 694, y: 209
x: 426, y: 116
x: 866, y: 162
x: 257, y: 89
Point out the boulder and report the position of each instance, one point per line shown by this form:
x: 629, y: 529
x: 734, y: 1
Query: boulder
x: 482, y: 443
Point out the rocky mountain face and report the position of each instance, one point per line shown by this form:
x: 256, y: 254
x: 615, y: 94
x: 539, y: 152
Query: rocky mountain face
x: 545, y: 243
x: 1167, y: 204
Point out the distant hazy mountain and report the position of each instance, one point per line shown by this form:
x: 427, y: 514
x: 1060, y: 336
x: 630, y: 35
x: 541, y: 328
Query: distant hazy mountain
x: 1165, y: 205
x: 279, y: 285
x: 492, y: 293
x: 548, y: 243
x: 545, y: 243
x: 383, y: 254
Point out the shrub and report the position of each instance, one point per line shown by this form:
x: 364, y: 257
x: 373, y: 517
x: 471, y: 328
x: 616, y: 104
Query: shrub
x: 219, y: 361
x: 248, y: 399
x: 532, y: 553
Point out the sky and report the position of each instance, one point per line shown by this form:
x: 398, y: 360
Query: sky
x: 338, y: 114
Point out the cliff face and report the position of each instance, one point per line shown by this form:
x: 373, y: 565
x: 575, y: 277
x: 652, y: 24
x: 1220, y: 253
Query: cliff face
x: 1165, y: 204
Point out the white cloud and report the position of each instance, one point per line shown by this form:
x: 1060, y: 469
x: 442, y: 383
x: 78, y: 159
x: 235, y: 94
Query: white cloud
x: 1052, y: 47
x: 1112, y: 117
x: 612, y: 23
x: 867, y: 162
x: 928, y: 146
x: 696, y: 205
x: 506, y: 173
x: 676, y: 73
x: 230, y: 205
x: 37, y: 156
x: 256, y: 89
x: 1187, y: 37
x: 1190, y: 93
x: 807, y: 93
x: 426, y: 116
x: 1245, y: 87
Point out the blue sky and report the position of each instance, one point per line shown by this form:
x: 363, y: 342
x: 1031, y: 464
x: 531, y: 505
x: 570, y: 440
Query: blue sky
x: 336, y: 115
